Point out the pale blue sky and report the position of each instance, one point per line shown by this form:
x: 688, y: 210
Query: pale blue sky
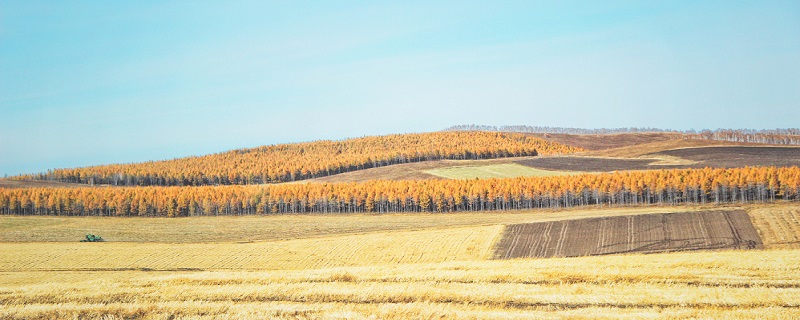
x: 93, y: 82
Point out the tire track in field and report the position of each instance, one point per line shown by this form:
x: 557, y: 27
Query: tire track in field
x: 648, y: 233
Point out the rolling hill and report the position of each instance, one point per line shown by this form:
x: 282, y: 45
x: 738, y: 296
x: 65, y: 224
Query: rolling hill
x: 299, y: 161
x: 422, y: 234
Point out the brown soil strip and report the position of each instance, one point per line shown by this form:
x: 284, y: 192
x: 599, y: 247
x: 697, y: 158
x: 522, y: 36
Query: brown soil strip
x: 648, y: 233
x: 590, y: 164
x: 730, y: 157
x: 687, y: 158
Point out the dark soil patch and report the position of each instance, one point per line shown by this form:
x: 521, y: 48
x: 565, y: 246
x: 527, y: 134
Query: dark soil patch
x: 731, y: 157
x: 713, y: 157
x: 588, y: 164
x: 649, y: 233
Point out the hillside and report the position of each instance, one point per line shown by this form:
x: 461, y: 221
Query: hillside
x: 608, y: 141
x: 605, y: 153
x: 298, y: 161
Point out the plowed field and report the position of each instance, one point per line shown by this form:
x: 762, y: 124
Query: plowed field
x: 647, y: 233
x: 714, y: 157
x: 730, y: 157
x: 591, y: 164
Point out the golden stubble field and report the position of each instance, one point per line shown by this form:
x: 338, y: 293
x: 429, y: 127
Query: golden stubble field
x: 398, y: 266
x: 725, y: 284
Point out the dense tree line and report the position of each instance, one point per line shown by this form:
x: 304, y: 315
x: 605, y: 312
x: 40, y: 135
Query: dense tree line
x: 777, y: 136
x: 789, y: 136
x: 545, y: 129
x: 692, y: 186
x: 298, y: 161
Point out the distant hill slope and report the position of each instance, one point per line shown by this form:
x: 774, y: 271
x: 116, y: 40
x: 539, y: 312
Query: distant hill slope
x: 609, y: 141
x: 298, y: 161
x: 643, y: 147
x: 787, y: 136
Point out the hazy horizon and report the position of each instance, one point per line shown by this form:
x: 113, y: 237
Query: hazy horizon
x: 86, y: 83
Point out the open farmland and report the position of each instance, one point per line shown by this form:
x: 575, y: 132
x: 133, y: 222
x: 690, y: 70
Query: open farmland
x: 720, y: 285
x: 271, y: 227
x: 590, y: 164
x: 614, y: 152
x: 731, y: 157
x: 400, y: 247
x: 640, y: 150
x: 408, y: 266
x: 714, y: 157
x: 709, y: 230
x: 778, y: 226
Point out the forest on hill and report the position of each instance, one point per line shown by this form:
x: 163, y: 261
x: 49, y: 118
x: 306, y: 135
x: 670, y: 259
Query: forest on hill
x: 788, y: 136
x: 299, y: 161
x: 678, y: 186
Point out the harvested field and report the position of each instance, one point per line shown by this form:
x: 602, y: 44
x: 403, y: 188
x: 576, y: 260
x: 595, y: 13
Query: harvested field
x: 380, y: 248
x: 272, y: 227
x: 708, y: 230
x: 731, y: 157
x: 336, y: 269
x: 686, y: 285
x: 504, y: 170
x: 778, y: 226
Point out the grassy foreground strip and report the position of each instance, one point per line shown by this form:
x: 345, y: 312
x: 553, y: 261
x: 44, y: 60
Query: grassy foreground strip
x: 724, y: 284
x: 502, y: 170
x: 470, y: 243
x: 284, y: 227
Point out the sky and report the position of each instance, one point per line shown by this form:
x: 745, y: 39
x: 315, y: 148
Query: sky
x: 95, y: 82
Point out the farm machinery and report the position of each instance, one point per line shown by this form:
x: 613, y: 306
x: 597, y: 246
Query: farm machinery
x: 92, y: 238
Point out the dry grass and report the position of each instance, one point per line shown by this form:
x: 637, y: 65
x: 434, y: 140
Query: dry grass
x: 502, y: 170
x: 272, y: 227
x: 380, y: 248
x: 778, y: 225
x: 645, y: 149
x: 388, y: 267
x: 727, y: 284
x: 608, y: 141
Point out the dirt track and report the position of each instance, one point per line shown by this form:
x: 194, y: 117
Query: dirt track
x: 649, y: 233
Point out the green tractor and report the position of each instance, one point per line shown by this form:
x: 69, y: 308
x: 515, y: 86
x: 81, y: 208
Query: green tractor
x: 92, y: 238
